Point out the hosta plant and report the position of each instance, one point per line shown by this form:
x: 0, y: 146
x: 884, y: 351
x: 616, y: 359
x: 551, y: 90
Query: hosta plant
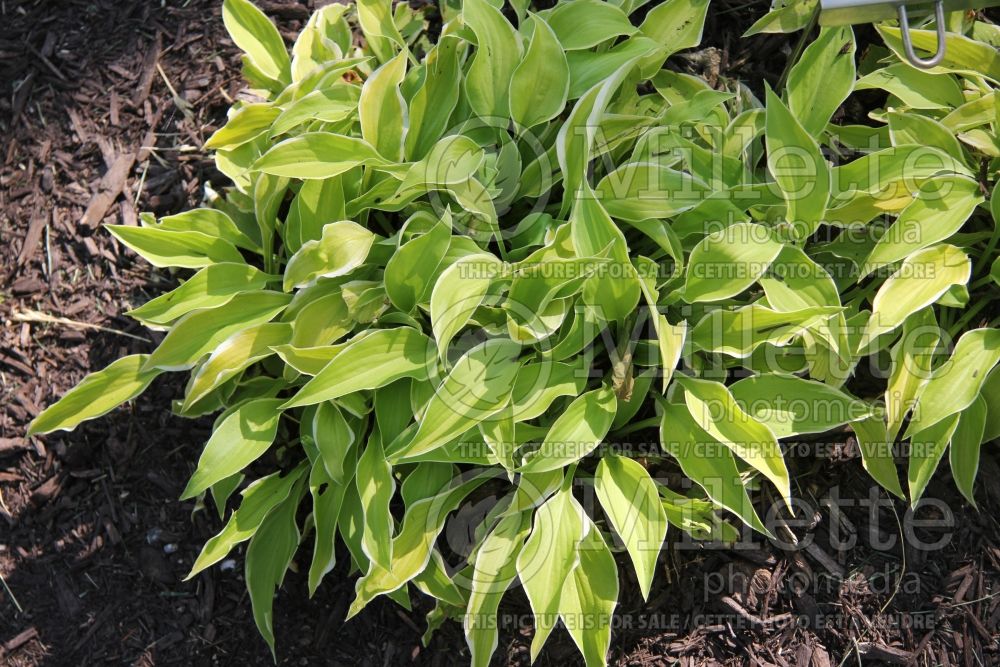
x: 531, y: 270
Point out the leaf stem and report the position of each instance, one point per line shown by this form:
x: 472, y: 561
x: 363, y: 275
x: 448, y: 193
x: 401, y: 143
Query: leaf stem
x: 651, y: 422
x: 799, y: 48
x: 990, y: 247
x: 967, y: 317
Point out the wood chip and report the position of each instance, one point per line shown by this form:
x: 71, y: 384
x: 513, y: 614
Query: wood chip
x: 108, y: 190
x: 19, y: 640
x: 148, y: 71
x: 32, y: 238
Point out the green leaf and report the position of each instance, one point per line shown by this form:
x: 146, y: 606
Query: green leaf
x: 478, y: 387
x: 588, y: 69
x: 822, y: 78
x: 325, y: 36
x: 330, y: 105
x: 538, y: 385
x: 590, y: 595
x: 494, y: 570
x: 921, y: 279
x: 317, y: 155
x: 917, y: 89
x: 586, y: 23
x: 182, y: 249
x: 888, y: 176
x: 739, y: 332
x: 972, y: 114
x: 259, y: 498
x: 632, y: 505
x: 233, y: 355
x: 795, y: 281
x: 498, y: 51
x: 334, y: 439
x: 784, y: 18
x: 246, y: 124
x: 616, y: 291
x: 876, y: 453
x: 254, y: 33
x: 715, y: 410
x: 990, y: 393
x: 212, y: 286
x: 926, y: 449
x: 425, y: 480
x: 500, y: 435
x: 798, y: 167
x: 458, y: 292
x: 628, y: 406
x: 238, y: 440
x: 965, y: 445
x: 268, y: 557
x: 380, y: 31
x: 674, y: 24
x: 343, y: 247
x: 201, y: 331
x: 697, y: 518
x: 321, y: 320
x: 223, y: 489
x: 376, y: 487
x: 911, y: 128
x: 382, y: 110
x: 327, y: 499
x: 790, y: 405
x: 955, y: 384
x: 707, y: 462
x: 317, y: 203
x: 576, y: 432
x: 435, y: 582
x: 940, y: 208
x: 911, y: 358
x: 728, y: 261
x: 370, y: 362
x: 412, y: 546
x: 432, y: 105
x: 212, y: 222
x: 98, y: 394
x: 961, y: 54
x: 547, y: 560
x: 638, y: 191
x: 409, y: 271
x: 575, y: 141
x: 539, y: 86
x: 542, y: 282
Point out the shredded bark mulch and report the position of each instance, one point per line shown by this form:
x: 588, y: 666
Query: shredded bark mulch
x: 104, y: 107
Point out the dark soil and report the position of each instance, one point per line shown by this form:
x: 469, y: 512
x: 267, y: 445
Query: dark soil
x: 104, y: 107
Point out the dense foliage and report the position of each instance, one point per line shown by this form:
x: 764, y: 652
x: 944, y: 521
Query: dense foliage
x: 494, y: 264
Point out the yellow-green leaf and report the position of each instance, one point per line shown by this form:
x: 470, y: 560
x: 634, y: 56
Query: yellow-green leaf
x: 99, y: 393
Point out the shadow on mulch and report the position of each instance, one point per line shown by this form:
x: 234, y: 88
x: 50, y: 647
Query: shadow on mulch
x: 95, y: 544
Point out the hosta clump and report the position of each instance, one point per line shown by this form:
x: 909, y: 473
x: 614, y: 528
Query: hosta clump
x: 483, y: 272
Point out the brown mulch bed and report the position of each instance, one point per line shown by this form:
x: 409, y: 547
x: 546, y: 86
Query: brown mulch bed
x: 104, y: 107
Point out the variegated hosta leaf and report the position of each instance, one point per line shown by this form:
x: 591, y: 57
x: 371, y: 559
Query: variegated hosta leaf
x: 707, y: 461
x: 798, y: 167
x: 922, y: 278
x: 790, y: 405
x: 630, y: 501
x: 955, y: 384
x: 478, y: 386
x: 98, y: 394
x: 714, y: 408
x: 729, y: 261
x: 548, y: 558
x: 502, y: 248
